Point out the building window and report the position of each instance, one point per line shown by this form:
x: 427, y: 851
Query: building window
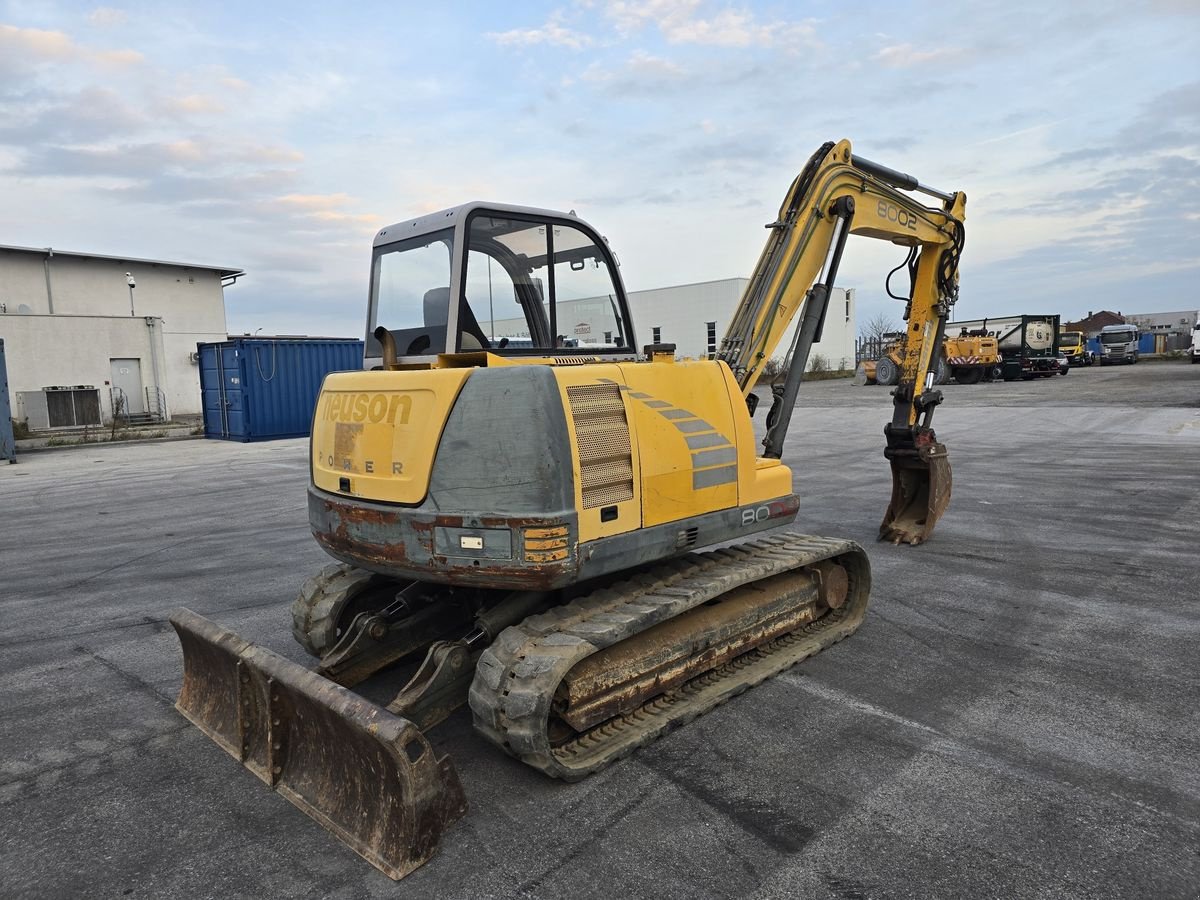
x: 712, y: 339
x: 657, y: 329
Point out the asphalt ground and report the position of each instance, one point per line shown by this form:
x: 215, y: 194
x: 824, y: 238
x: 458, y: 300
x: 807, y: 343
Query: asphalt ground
x: 1017, y: 717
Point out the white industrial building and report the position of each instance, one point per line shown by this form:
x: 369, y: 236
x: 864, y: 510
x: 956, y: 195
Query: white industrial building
x: 83, y: 331
x: 693, y: 317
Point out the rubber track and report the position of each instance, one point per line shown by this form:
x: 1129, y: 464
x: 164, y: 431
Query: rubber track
x: 315, y: 612
x: 517, y: 676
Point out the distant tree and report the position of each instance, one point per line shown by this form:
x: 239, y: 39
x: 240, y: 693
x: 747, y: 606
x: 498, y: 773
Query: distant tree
x: 772, y: 369
x: 877, y: 326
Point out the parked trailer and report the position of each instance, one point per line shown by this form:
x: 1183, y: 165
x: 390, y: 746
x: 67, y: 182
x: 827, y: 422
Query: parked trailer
x: 1028, y: 343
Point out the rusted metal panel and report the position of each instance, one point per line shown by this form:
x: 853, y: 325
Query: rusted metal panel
x: 403, y: 542
x: 368, y: 776
x: 624, y: 676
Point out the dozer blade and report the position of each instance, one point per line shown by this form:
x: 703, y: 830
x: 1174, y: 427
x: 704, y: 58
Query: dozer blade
x: 367, y: 775
x: 921, y: 483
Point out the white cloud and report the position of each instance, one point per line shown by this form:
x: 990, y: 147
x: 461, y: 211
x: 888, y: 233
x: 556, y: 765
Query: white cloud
x: 107, y: 17
x: 37, y: 44
x: 906, y: 56
x: 640, y: 70
x: 553, y: 33
x: 190, y: 105
x: 327, y: 208
x: 34, y: 46
x: 685, y: 22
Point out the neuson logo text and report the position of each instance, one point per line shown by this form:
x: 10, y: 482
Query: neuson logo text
x: 394, y: 409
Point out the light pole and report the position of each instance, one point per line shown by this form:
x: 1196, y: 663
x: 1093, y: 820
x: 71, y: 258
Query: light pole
x: 132, y: 284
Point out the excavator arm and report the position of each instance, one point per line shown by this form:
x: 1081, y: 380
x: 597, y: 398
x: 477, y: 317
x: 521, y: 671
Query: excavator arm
x: 837, y: 195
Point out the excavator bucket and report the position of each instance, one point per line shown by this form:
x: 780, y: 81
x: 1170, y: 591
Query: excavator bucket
x: 367, y: 775
x: 921, y: 484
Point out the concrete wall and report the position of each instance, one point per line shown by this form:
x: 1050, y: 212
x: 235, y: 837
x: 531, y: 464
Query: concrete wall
x: 45, y: 351
x: 189, y: 302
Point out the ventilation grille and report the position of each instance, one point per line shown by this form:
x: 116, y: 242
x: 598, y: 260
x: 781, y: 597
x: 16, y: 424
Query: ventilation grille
x: 605, y: 463
x: 574, y: 360
x: 687, y: 538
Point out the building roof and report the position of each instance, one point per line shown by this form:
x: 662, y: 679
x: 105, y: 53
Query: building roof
x: 1093, y: 322
x: 224, y: 271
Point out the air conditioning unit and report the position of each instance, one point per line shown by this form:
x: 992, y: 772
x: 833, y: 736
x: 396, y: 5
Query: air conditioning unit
x: 194, y: 358
x: 61, y: 406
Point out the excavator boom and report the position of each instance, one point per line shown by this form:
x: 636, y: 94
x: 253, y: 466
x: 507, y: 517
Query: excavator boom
x: 836, y: 195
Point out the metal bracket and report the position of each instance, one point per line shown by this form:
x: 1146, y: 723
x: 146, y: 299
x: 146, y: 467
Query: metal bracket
x: 439, y: 687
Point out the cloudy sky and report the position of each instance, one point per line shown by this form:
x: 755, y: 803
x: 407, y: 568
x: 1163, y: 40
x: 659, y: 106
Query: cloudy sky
x: 277, y: 137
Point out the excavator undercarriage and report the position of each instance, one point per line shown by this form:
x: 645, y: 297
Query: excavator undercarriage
x: 567, y: 691
x: 518, y: 523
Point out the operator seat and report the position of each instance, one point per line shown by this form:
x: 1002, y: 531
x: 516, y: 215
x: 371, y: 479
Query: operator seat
x: 437, y: 310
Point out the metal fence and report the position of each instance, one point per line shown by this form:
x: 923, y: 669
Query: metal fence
x: 867, y: 349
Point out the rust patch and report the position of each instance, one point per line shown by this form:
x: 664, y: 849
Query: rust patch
x: 400, y: 542
x: 624, y: 676
x: 345, y: 441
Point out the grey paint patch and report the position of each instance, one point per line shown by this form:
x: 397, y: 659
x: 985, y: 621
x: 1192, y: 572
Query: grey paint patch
x: 700, y: 441
x: 639, y: 395
x: 690, y: 426
x: 520, y: 409
x: 713, y: 477
x: 678, y: 414
x: 717, y: 457
x: 654, y: 404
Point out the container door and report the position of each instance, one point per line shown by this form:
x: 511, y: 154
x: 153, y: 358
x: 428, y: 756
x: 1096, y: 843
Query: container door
x: 127, y: 383
x: 224, y: 399
x: 212, y: 392
x: 8, y: 447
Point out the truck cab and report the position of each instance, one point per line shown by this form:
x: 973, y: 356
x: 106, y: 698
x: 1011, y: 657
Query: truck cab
x: 1118, y: 344
x: 1073, y: 348
x: 1194, y: 350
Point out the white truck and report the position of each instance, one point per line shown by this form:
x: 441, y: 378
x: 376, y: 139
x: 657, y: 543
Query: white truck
x: 1194, y: 350
x: 1118, y: 344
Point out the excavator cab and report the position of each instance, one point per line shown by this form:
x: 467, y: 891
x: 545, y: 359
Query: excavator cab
x: 508, y: 280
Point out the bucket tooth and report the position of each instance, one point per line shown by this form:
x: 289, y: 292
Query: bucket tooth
x: 366, y: 775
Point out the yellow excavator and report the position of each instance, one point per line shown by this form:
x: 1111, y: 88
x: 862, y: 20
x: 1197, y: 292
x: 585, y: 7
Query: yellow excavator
x: 516, y: 497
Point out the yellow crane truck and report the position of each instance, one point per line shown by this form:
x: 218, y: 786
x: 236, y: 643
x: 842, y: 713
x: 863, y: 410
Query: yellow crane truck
x: 525, y: 518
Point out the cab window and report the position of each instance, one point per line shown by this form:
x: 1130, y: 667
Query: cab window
x: 537, y: 285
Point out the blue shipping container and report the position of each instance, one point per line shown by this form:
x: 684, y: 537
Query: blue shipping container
x: 260, y: 389
x: 8, y: 447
